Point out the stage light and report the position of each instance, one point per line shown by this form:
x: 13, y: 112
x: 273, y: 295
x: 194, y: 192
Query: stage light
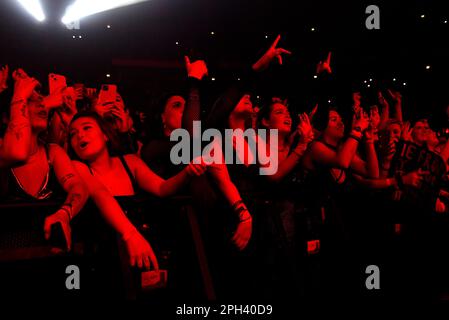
x: 108, y: 75
x: 266, y: 37
x: 108, y: 26
x: 212, y: 33
x: 445, y: 21
x: 80, y: 37
x: 427, y: 67
x: 329, y: 101
x: 370, y: 80
x: 177, y: 43
x: 368, y: 85
x: 423, y: 16
x: 313, y: 29
x: 238, y: 79
x: 34, y: 8
x: 84, y: 8
x: 404, y: 84
x: 394, y: 79
x: 73, y: 37
x: 365, y: 81
x: 315, y: 76
x: 213, y: 79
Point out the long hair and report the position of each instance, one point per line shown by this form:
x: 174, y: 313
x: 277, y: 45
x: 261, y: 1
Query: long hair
x: 112, y: 144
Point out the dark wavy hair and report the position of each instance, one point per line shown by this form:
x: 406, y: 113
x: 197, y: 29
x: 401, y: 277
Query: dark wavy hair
x: 113, y: 144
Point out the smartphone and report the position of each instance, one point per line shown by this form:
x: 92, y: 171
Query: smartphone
x: 57, y: 238
x: 151, y: 280
x: 108, y: 94
x: 56, y: 82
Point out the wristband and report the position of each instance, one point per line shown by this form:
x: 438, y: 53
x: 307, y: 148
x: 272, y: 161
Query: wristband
x: 63, y: 208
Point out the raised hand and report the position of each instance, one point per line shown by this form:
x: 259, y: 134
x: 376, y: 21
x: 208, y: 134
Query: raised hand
x: 23, y: 86
x: 313, y: 112
x: 90, y: 93
x: 197, y: 69
x: 272, y: 53
x: 395, y: 95
x: 356, y: 102
x: 325, y: 65
x: 123, y: 122
x: 360, y: 120
x: 374, y: 117
x: 4, y: 73
x: 382, y: 101
x: 304, y: 129
x: 406, y: 133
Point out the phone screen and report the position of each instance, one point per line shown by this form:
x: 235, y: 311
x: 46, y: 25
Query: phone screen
x: 56, y: 82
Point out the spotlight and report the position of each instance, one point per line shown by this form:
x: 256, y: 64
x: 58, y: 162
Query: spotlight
x: 213, y: 79
x: 404, y: 84
x: 312, y: 29
x: 394, y: 79
x: 84, y: 8
x: 427, y: 67
x: 315, y: 76
x: 108, y: 75
x: 34, y: 8
x: 423, y: 16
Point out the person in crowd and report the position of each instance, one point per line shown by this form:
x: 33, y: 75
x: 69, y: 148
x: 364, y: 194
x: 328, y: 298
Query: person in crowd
x: 46, y: 172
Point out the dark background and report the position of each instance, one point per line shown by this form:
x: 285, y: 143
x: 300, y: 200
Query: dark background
x: 139, y: 51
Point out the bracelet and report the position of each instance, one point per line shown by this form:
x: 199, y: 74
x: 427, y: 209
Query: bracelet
x: 63, y: 208
x: 236, y: 204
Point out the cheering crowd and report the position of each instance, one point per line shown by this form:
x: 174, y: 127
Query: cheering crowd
x: 356, y: 185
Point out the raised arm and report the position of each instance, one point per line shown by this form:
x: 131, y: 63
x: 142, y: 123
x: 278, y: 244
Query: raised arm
x: 196, y: 71
x: 15, y: 145
x: 397, y: 97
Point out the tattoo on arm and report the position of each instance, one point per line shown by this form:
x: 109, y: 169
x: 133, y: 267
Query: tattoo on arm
x: 23, y: 110
x: 66, y: 178
x: 16, y: 129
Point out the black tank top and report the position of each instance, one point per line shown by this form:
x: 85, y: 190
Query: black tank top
x: 135, y: 185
